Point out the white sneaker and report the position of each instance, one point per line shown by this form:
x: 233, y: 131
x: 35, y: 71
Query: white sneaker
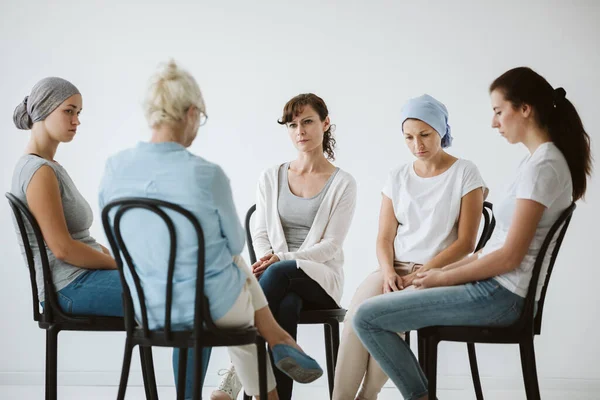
x: 230, y: 385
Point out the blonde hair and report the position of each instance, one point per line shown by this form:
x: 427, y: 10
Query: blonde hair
x: 171, y: 92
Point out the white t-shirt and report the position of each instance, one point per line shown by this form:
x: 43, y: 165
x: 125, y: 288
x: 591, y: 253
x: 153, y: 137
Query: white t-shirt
x: 543, y: 177
x: 427, y: 209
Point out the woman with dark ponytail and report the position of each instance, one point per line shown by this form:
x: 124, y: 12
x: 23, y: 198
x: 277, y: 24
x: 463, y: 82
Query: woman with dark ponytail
x: 489, y: 287
x: 303, y: 212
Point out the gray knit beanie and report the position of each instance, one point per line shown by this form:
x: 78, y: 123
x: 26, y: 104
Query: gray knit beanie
x: 45, y: 96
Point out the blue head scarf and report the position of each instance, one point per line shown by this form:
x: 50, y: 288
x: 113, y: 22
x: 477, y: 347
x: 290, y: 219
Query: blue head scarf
x: 430, y: 111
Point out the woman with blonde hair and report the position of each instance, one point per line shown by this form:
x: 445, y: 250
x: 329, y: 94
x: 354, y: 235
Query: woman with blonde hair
x: 164, y: 169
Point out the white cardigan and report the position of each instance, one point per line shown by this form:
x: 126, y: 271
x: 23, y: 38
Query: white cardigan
x: 321, y: 256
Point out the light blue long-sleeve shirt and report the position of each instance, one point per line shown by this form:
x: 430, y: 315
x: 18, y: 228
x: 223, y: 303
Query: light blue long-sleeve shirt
x: 169, y: 172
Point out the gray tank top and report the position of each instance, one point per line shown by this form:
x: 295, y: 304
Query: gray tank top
x: 78, y: 215
x: 297, y: 213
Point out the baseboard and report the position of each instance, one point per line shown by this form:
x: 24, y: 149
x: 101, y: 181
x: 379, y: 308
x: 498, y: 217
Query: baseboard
x: 165, y: 378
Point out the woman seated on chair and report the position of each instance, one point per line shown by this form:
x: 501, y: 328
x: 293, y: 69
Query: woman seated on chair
x: 430, y: 214
x: 303, y: 213
x: 489, y: 287
x: 83, y: 271
x: 164, y: 169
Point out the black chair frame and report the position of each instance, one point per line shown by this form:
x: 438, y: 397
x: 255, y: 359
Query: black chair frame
x: 204, y: 334
x: 53, y: 319
x: 522, y: 332
x: 330, y: 318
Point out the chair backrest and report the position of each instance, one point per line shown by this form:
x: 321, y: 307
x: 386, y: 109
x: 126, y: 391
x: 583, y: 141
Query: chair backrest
x: 118, y: 246
x: 489, y: 223
x: 249, y: 234
x: 52, y: 311
x: 528, y: 320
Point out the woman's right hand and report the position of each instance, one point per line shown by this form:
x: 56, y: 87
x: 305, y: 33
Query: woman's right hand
x: 261, y: 265
x: 392, y: 282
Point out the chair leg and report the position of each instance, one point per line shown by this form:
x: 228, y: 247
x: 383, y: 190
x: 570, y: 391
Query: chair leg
x: 329, y: 357
x: 261, y: 353
x: 422, y: 347
x: 335, y: 335
x: 198, y: 371
x: 51, y: 362
x: 148, y: 373
x: 529, y: 369
x: 125, y: 369
x: 475, y: 371
x: 431, y: 354
x: 183, y: 354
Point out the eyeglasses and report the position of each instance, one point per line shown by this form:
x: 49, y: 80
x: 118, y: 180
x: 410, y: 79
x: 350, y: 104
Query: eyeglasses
x: 203, y: 118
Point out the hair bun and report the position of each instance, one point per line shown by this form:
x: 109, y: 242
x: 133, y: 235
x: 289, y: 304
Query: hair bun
x: 169, y: 71
x: 21, y: 117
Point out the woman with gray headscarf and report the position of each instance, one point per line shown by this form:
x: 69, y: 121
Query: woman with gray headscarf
x: 430, y: 213
x: 83, y: 272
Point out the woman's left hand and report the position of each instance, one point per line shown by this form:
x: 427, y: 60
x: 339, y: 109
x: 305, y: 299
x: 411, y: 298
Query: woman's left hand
x: 431, y: 278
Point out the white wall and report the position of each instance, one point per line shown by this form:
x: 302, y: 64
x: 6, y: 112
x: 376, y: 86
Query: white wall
x: 365, y: 59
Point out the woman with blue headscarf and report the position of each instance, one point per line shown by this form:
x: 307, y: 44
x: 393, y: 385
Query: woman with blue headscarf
x: 430, y: 214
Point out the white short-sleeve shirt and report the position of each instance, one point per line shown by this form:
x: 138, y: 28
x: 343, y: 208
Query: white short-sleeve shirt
x: 427, y: 209
x: 543, y: 177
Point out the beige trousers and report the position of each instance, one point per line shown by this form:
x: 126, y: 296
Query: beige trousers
x: 241, y: 315
x: 354, y: 364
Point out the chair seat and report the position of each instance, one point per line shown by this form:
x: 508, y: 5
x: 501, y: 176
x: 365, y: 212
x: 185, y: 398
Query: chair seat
x: 87, y: 323
x: 475, y: 334
x: 225, y: 337
x: 322, y: 316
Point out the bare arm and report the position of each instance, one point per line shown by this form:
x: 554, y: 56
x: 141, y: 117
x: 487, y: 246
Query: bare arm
x: 388, y: 227
x: 525, y: 220
x: 43, y: 199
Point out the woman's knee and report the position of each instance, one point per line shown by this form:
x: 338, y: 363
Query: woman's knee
x: 363, y: 315
x: 278, y: 272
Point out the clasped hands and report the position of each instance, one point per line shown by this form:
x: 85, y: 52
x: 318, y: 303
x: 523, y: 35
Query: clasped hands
x: 263, y: 263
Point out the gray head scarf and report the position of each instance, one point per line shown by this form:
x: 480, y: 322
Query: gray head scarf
x: 45, y: 96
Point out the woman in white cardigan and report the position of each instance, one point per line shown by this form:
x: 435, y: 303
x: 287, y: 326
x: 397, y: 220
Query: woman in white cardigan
x: 303, y: 212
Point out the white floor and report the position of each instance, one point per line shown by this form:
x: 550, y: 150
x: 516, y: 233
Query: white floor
x: 300, y: 393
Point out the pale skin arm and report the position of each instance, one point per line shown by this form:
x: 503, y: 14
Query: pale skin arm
x: 468, y: 224
x: 522, y: 229
x: 388, y: 226
x: 43, y: 198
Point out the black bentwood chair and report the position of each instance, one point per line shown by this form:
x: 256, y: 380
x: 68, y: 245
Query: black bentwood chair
x: 522, y: 332
x: 53, y: 319
x: 204, y: 333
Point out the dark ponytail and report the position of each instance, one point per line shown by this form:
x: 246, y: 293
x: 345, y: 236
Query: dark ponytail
x: 555, y: 113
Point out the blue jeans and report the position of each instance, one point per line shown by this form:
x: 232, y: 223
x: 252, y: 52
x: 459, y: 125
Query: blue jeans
x: 289, y: 290
x: 98, y: 292
x: 483, y: 303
